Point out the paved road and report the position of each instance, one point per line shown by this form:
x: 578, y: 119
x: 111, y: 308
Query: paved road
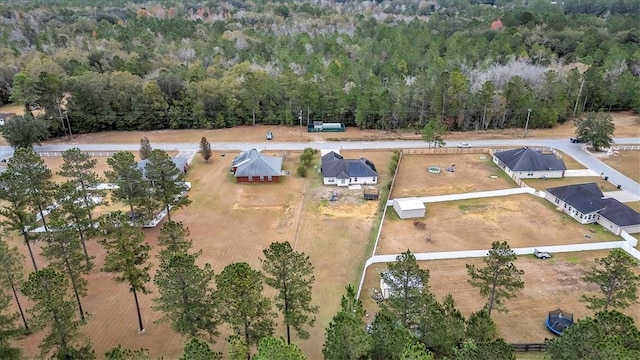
x: 574, y: 150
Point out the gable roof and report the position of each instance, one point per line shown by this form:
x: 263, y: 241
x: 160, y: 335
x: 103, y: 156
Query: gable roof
x: 180, y: 162
x: 410, y: 204
x: 619, y: 213
x: 245, y: 157
x: 259, y: 165
x: 586, y: 198
x: 334, y: 165
x: 526, y: 159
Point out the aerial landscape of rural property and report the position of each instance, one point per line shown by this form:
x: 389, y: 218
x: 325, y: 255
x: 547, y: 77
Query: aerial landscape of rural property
x: 444, y: 179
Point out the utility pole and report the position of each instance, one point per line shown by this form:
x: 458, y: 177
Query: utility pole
x: 300, y: 119
x: 526, y: 126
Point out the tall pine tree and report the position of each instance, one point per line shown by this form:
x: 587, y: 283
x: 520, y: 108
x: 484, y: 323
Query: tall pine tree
x: 169, y: 188
x: 47, y: 289
x: 63, y: 249
x: 80, y: 192
x: 291, y: 274
x: 12, y: 274
x: 242, y: 305
x: 127, y: 256
x: 500, y: 279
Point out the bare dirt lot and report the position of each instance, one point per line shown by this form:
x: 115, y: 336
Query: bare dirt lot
x: 522, y: 220
x: 625, y: 161
x: 472, y: 173
x: 549, y: 284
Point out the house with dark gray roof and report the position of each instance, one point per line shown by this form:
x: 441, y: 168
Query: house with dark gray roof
x: 587, y: 204
x: 337, y: 170
x: 253, y: 167
x: 528, y: 163
x: 618, y: 217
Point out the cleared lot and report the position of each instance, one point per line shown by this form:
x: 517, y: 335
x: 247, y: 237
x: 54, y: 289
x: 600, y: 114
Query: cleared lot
x: 627, y: 162
x: 549, y: 284
x: 230, y: 223
x: 472, y: 172
x: 522, y: 220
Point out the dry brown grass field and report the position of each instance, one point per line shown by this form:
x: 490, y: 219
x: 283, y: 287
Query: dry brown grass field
x: 522, y: 220
x: 626, y: 161
x: 233, y: 222
x: 627, y: 125
x: 549, y: 284
x: 472, y: 173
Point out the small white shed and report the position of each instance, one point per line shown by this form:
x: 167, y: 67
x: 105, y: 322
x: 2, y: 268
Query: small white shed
x: 409, y: 208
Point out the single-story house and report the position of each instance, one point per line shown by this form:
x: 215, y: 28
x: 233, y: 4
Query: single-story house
x: 581, y: 201
x: 528, y: 163
x: 253, y: 167
x: 181, y: 163
x: 337, y: 170
x: 409, y: 208
x: 385, y: 288
x: 587, y: 204
x: 618, y: 217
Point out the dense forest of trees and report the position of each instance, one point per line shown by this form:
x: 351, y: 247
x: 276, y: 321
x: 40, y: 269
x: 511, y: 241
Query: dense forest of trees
x: 385, y: 64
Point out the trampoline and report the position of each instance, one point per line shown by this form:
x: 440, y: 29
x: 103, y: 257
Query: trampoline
x: 434, y: 170
x: 558, y: 320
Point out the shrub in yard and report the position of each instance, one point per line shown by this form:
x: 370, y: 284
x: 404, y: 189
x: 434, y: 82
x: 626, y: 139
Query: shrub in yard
x: 394, y: 162
x: 302, y: 171
x: 419, y: 225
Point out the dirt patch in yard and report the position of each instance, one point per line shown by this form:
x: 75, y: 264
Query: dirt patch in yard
x: 549, y: 284
x: 522, y: 220
x: 472, y: 172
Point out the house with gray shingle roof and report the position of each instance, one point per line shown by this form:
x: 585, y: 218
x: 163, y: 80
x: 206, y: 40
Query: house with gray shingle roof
x: 587, y: 204
x: 337, y: 170
x: 253, y: 167
x: 181, y: 163
x: 528, y: 163
x: 618, y: 217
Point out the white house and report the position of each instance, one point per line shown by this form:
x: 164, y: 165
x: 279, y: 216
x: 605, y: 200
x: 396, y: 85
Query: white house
x: 337, y: 170
x: 586, y: 204
x: 528, y: 163
x: 582, y: 202
x: 409, y: 208
x: 618, y: 217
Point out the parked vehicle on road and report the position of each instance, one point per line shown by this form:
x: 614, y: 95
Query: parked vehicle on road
x: 464, y: 145
x: 542, y: 254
